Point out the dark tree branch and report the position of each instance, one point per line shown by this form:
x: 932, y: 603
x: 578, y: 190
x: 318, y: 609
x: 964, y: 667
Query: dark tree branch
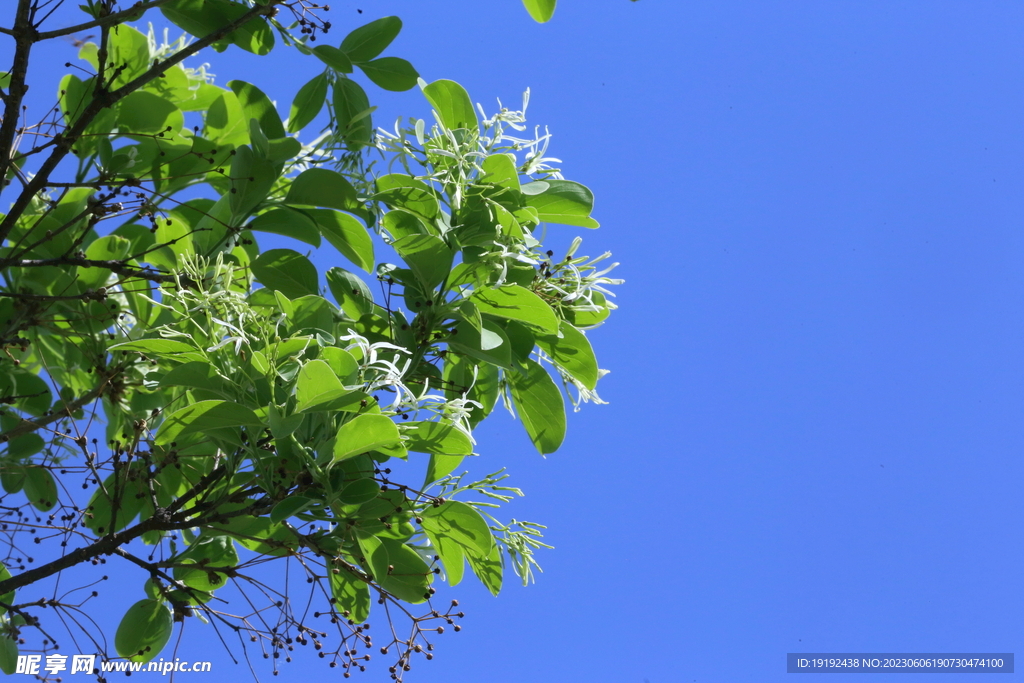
x: 164, y: 520
x: 109, y: 20
x: 24, y: 37
x: 118, y: 267
x: 101, y: 101
x: 66, y: 411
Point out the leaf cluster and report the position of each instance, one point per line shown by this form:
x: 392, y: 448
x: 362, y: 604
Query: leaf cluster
x: 178, y: 397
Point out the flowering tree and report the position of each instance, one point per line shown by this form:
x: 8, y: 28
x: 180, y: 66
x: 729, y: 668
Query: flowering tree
x: 211, y: 413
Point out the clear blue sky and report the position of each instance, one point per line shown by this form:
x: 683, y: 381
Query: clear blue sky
x: 814, y: 436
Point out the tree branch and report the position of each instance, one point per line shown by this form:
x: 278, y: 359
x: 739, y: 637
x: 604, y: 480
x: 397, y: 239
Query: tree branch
x: 24, y: 37
x: 105, y: 546
x: 101, y: 101
x: 109, y: 545
x: 118, y: 267
x: 110, y: 19
x: 28, y: 426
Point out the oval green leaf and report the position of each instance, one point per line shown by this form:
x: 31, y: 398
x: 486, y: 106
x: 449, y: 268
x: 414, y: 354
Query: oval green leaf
x: 365, y: 433
x: 437, y: 437
x: 286, y: 271
x: 352, y: 110
x: 391, y: 73
x: 351, y: 595
x: 289, y: 507
x: 573, y: 352
x: 321, y: 187
x: 366, y: 42
x: 8, y: 655
x: 540, y: 406
x: 144, y: 630
x: 347, y: 235
x: 334, y: 58
x: 513, y: 302
x: 307, y: 103
x: 289, y: 223
x: 451, y: 102
x: 40, y: 488
x: 205, y: 415
x: 540, y: 10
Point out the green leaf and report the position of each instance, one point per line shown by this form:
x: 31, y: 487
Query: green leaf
x: 322, y: 187
x: 500, y: 169
x: 143, y: 113
x: 391, y: 73
x: 359, y: 491
x: 451, y: 102
x: 561, y: 201
x: 437, y: 437
x: 280, y: 424
x: 202, y: 99
x: 307, y: 103
x: 428, y: 257
x: 521, y: 338
x: 161, y: 348
x: 351, y: 292
x: 513, y: 302
x: 397, y: 568
x: 6, y: 598
x: 203, y: 17
x: 352, y: 111
x: 588, y: 318
x: 439, y: 466
x: 366, y: 42
x: 487, y: 343
x: 252, y: 177
x: 283, y: 149
x: 108, y: 248
x: 256, y: 105
x: 487, y: 568
x: 347, y: 235
x: 251, y: 533
x: 198, y: 375
x: 351, y: 595
x: 334, y: 58
x: 365, y: 433
x: 208, y: 553
x: 287, y: 271
x: 402, y: 224
x: 540, y: 406
x: 12, y: 476
x: 36, y: 393
x: 8, y: 655
x: 317, y: 384
x: 461, y: 523
x: 101, y: 508
x: 205, y: 415
x: 40, y: 488
x: 343, y: 363
x: 128, y: 53
x: 289, y: 223
x: 144, y: 630
x: 72, y: 95
x: 400, y: 191
x: 289, y: 507
x: 540, y: 10
x: 374, y: 557
x: 225, y: 122
x: 573, y: 352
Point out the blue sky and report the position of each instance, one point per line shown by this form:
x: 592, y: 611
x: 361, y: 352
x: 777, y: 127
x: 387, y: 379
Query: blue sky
x: 813, y: 436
